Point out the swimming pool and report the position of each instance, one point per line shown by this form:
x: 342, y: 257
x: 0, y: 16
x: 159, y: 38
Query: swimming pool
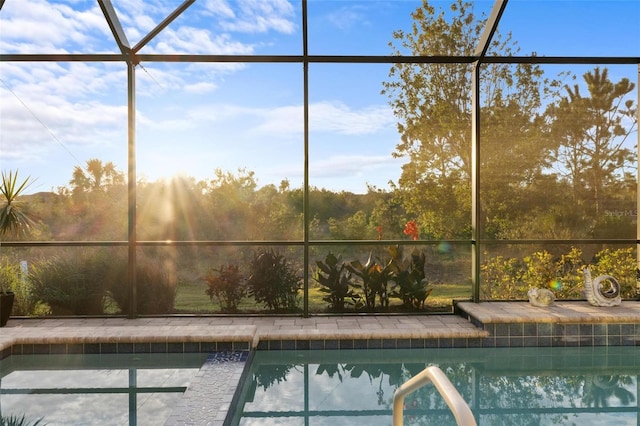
x: 96, y: 389
x: 503, y: 386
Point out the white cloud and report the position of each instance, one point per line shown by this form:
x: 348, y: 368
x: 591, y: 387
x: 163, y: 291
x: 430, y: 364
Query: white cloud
x: 73, y: 80
x: 343, y: 166
x: 48, y: 104
x: 55, y: 121
x: 346, y: 18
x: 339, y: 172
x: 325, y: 117
x: 198, y: 41
x: 200, y: 87
x: 286, y: 120
x: 219, y: 8
x: 139, y: 17
x: 254, y: 16
x: 340, y: 118
x: 35, y: 26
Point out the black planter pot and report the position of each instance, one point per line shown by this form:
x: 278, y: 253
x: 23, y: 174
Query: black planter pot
x: 6, y: 304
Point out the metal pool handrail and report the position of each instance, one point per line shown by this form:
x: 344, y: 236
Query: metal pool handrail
x: 452, y: 397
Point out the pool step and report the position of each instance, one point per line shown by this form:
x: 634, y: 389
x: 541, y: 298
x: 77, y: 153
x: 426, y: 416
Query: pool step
x: 566, y: 323
x: 210, y: 393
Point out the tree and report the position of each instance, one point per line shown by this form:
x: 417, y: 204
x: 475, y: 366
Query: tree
x: 433, y: 105
x: 388, y: 215
x: 98, y: 201
x: 95, y: 177
x: 352, y: 228
x: 592, y: 133
x: 231, y: 197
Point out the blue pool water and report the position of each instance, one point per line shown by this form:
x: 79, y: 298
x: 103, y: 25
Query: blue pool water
x: 503, y: 386
x: 114, y: 389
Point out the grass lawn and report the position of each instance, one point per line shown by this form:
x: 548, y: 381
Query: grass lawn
x: 191, y: 298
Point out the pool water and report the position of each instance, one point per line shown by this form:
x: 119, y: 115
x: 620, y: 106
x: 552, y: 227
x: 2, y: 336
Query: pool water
x: 113, y: 389
x: 503, y: 386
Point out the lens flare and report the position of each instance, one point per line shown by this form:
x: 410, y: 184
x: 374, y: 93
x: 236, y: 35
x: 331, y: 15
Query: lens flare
x: 555, y: 284
x: 444, y: 247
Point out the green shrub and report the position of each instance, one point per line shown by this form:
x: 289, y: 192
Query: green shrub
x: 509, y: 278
x: 25, y: 302
x: 9, y: 275
x: 373, y: 280
x: 273, y: 282
x: 226, y: 284
x: 562, y: 275
x: 155, y: 285
x: 336, y: 282
x: 409, y: 276
x: 502, y: 279
x: 620, y: 264
x: 70, y: 284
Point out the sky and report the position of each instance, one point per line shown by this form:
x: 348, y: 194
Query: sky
x: 192, y: 119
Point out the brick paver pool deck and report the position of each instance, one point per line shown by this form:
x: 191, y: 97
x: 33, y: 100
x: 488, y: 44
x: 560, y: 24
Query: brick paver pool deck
x: 474, y: 321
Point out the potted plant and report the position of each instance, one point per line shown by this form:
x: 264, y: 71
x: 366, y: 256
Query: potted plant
x: 13, y: 222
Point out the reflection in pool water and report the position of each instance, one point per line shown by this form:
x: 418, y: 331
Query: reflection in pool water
x: 122, y: 389
x: 503, y: 386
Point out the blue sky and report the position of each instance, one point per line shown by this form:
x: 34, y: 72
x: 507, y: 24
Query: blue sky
x: 195, y: 118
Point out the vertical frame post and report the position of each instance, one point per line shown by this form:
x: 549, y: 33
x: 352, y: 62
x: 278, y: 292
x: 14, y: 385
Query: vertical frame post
x: 638, y: 189
x: 131, y: 188
x: 475, y: 181
x: 480, y: 52
x: 305, y: 183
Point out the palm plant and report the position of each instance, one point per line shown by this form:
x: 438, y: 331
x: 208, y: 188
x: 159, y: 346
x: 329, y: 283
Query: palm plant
x: 13, y: 218
x: 15, y: 420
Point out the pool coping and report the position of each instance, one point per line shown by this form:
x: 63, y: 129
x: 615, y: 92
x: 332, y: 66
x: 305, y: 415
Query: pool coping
x: 200, y: 334
x: 125, y: 339
x: 559, y: 312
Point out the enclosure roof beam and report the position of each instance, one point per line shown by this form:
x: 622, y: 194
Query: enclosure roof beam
x: 490, y: 28
x: 117, y: 57
x: 162, y: 25
x: 116, y: 28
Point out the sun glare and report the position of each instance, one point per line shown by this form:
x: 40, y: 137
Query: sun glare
x: 165, y: 208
